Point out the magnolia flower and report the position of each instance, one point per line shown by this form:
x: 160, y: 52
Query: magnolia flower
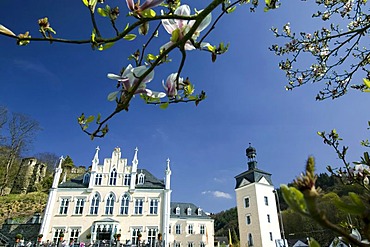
x: 178, y: 28
x: 6, y: 30
x: 130, y: 77
x: 171, y: 84
x: 135, y: 7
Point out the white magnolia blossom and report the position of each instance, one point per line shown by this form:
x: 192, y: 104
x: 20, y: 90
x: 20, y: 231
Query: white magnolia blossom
x: 171, y: 84
x: 181, y: 27
x: 131, y: 76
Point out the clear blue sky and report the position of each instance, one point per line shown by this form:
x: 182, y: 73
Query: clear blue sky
x: 246, y: 101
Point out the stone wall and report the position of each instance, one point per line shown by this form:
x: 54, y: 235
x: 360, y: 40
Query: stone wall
x: 30, y: 174
x: 29, y: 230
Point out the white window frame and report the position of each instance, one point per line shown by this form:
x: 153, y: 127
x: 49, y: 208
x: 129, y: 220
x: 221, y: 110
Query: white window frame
x: 153, y: 206
x: 79, y: 206
x: 113, y: 177
x: 177, y: 210
x: 141, y: 178
x: 139, y: 205
x: 109, y: 205
x: 56, y: 233
x: 94, y: 204
x: 74, y: 234
x: 152, y: 235
x: 188, y: 211
x: 64, y: 205
x: 127, y: 179
x: 98, y: 178
x: 125, y: 204
x: 134, y: 233
x: 178, y: 229
x: 202, y: 229
x: 190, y: 229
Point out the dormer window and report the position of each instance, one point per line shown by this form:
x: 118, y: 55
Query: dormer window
x: 177, y: 210
x: 200, y: 212
x: 86, y: 179
x: 188, y: 211
x: 141, y: 178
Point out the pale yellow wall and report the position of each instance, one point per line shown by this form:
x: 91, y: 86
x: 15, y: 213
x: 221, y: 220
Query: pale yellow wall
x: 207, y: 238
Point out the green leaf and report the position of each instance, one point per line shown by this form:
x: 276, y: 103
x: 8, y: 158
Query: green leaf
x: 230, y: 10
x: 128, y: 24
x: 90, y: 119
x: 112, y: 96
x: 175, y: 35
x: 102, y: 12
x: 357, y: 200
x: 130, y: 37
x: 348, y: 208
x: 151, y: 57
x: 294, y: 198
x: 93, y: 35
x: 313, y: 243
x: 86, y: 2
x: 50, y: 29
x: 106, y: 46
x: 366, y: 82
x: 148, y: 13
x: 98, y: 118
x: 164, y: 106
x: 211, y: 48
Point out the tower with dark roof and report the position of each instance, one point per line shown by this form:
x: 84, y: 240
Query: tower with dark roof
x: 256, y: 204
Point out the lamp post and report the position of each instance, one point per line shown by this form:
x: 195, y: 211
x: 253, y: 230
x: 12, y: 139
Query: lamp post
x: 280, y: 216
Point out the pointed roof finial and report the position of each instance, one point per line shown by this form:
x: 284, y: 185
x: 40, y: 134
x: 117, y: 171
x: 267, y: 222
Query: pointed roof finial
x: 135, y: 161
x: 61, y: 159
x: 168, y: 164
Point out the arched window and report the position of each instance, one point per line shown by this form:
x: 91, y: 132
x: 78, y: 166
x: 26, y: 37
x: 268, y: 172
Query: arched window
x: 110, y: 204
x: 94, y: 207
x: 86, y: 179
x: 177, y: 212
x: 199, y: 211
x: 141, y: 178
x: 250, y: 239
x: 124, y: 204
x: 113, y: 177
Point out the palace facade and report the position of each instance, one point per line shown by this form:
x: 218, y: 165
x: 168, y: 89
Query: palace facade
x: 117, y: 200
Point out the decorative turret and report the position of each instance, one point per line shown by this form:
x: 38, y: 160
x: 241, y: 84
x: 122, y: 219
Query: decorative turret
x: 251, y: 155
x: 58, y: 173
x: 168, y: 175
x: 95, y: 161
x: 167, y: 204
x: 135, y: 162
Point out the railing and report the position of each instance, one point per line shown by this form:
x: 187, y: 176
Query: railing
x: 4, y: 239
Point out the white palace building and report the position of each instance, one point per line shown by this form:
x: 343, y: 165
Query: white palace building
x: 117, y: 198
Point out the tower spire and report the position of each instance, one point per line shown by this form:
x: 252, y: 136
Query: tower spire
x: 95, y: 161
x: 251, y: 155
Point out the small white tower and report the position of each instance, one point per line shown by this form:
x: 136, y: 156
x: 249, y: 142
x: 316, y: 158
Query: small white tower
x: 51, y: 199
x: 167, y: 205
x: 256, y: 205
x: 135, y: 162
x: 94, y: 167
